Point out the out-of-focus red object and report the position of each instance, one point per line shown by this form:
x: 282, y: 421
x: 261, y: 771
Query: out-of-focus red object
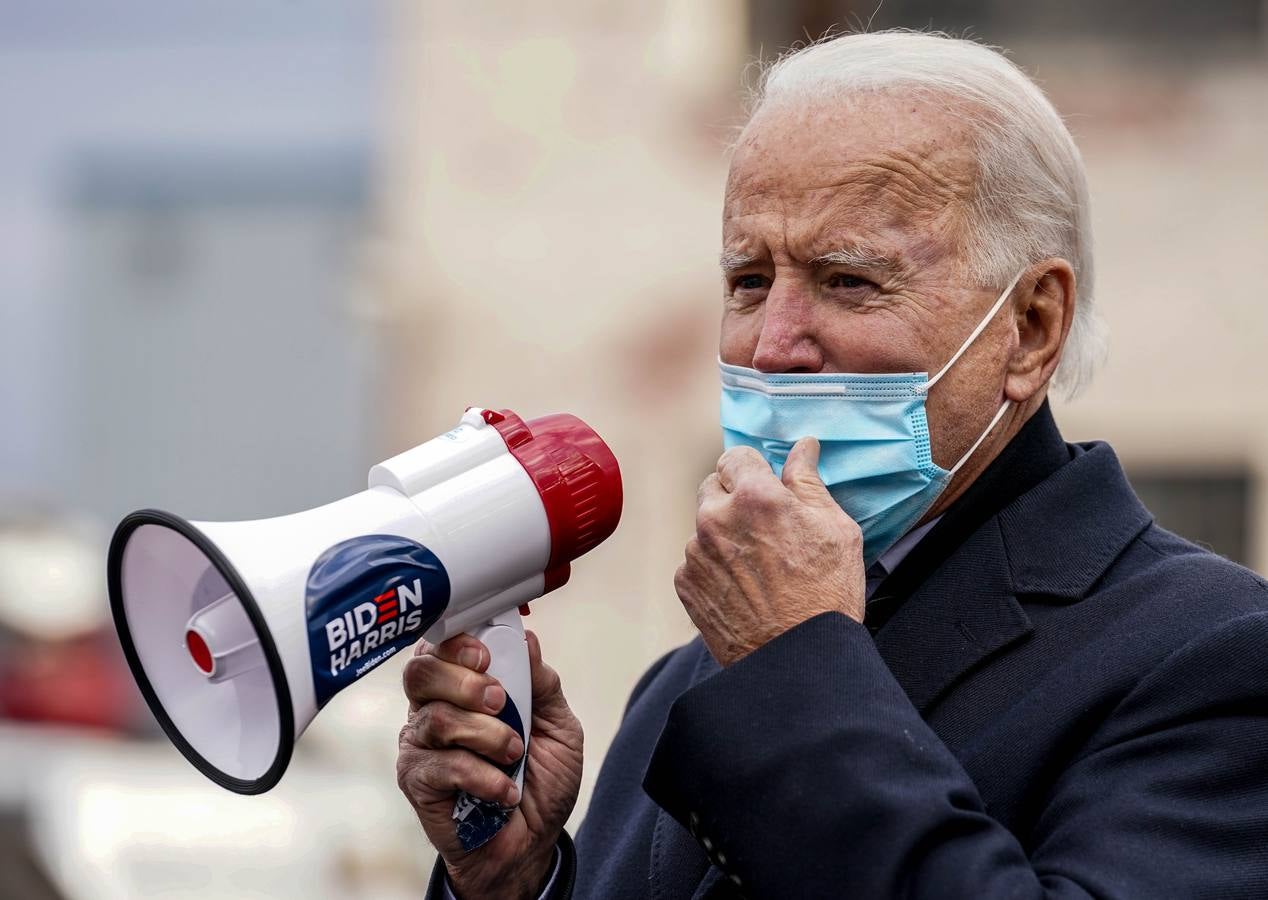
x: 77, y: 681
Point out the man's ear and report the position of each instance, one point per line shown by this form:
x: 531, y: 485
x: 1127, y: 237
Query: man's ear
x: 1043, y: 312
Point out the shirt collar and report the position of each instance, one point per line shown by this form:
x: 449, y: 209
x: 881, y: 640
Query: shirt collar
x: 889, y: 560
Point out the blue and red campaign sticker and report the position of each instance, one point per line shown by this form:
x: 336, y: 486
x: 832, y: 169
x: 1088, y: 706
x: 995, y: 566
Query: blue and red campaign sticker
x: 366, y: 598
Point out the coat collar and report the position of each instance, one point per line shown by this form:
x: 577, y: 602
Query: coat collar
x: 1064, y: 534
x: 954, y: 601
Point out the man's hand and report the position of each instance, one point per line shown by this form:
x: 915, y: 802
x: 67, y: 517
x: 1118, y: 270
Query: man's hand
x: 768, y: 555
x: 451, y: 724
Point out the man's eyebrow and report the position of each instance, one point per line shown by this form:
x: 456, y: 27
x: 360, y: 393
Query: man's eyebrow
x: 730, y: 260
x: 856, y: 255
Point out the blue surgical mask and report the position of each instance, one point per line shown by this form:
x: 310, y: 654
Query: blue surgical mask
x: 874, y: 456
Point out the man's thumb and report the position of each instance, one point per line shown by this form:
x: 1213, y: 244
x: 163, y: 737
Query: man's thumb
x: 545, y: 680
x: 801, y: 472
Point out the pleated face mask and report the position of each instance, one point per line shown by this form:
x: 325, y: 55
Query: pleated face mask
x: 874, y: 457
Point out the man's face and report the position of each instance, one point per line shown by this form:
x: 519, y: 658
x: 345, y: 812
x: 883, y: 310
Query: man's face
x: 844, y: 250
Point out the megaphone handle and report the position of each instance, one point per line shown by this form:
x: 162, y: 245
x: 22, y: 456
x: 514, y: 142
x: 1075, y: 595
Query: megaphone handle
x: 476, y: 820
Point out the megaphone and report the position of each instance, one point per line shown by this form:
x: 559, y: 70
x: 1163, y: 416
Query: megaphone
x: 239, y: 632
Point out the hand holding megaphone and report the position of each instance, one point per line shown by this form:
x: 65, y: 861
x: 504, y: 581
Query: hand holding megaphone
x: 452, y: 722
x: 239, y: 632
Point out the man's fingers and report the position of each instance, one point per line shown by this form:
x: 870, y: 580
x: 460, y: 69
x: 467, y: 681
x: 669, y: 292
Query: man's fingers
x: 740, y: 463
x: 462, y: 649
x: 801, y: 472
x: 445, y: 772
x: 439, y: 726
x: 428, y: 677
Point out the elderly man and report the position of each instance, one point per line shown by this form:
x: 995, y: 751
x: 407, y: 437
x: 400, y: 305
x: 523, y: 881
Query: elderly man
x: 942, y: 653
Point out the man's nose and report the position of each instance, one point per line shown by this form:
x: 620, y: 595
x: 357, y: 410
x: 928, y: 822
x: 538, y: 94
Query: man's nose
x: 787, y: 342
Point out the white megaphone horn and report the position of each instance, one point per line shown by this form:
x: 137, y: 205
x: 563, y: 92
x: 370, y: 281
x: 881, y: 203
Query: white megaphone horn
x: 239, y: 632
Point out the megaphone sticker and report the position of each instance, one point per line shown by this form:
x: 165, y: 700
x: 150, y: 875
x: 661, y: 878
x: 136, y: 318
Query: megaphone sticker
x: 366, y: 598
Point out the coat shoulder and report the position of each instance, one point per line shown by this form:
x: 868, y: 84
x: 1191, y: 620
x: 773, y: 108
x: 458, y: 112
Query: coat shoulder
x: 1203, y: 587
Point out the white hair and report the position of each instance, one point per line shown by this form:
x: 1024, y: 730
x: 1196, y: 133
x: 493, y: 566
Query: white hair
x: 1031, y: 197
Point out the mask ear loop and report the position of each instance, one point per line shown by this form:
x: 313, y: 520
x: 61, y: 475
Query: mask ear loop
x: 989, y: 428
x: 981, y: 326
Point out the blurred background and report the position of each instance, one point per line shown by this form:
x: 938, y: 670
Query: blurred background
x: 249, y: 249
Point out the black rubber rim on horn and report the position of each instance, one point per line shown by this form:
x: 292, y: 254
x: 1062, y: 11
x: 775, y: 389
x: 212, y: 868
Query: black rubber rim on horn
x: 285, y: 715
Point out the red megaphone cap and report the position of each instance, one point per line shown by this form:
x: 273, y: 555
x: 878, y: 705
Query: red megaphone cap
x: 577, y: 477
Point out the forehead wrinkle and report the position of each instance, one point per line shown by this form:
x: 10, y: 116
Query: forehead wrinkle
x: 918, y: 193
x: 920, y: 222
x: 891, y: 193
x: 943, y: 160
x: 872, y: 196
x: 943, y: 177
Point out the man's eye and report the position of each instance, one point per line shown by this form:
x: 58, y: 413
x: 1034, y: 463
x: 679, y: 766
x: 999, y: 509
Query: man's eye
x: 750, y: 282
x: 848, y: 282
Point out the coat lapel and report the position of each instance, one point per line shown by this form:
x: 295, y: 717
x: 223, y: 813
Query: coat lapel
x: 1064, y: 534
x: 964, y: 612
